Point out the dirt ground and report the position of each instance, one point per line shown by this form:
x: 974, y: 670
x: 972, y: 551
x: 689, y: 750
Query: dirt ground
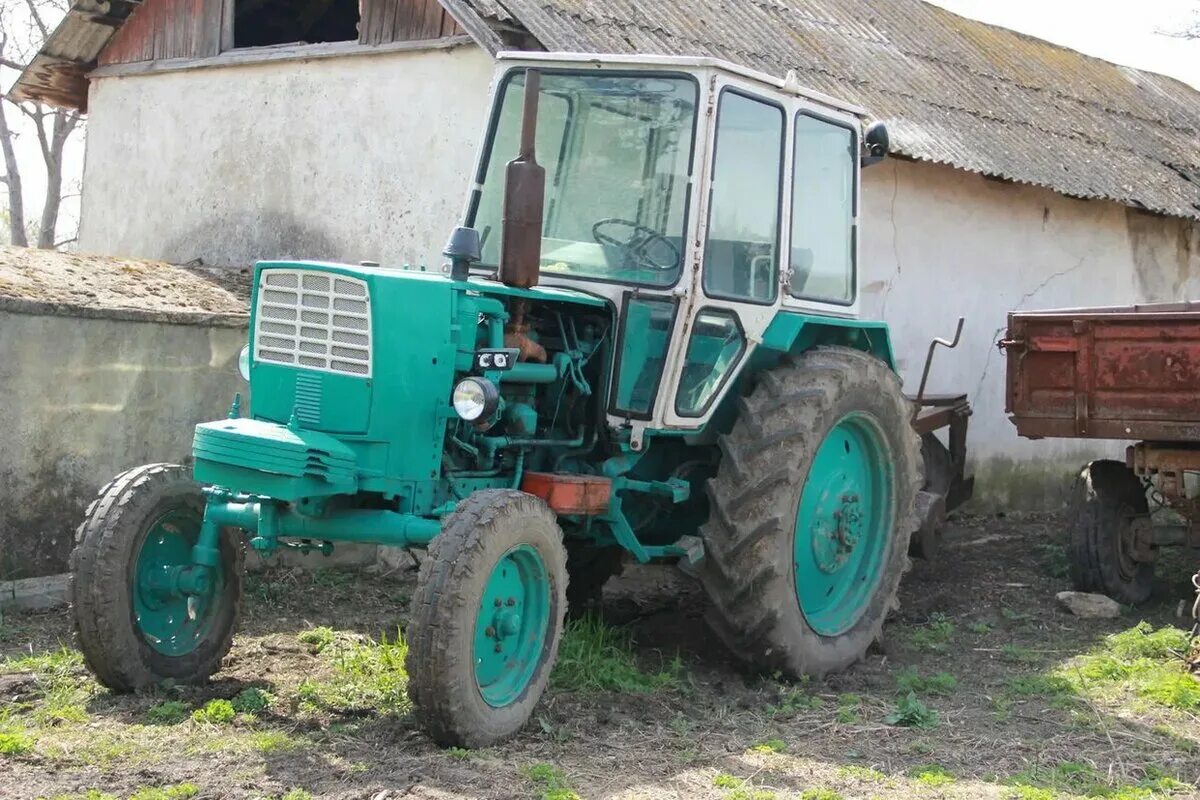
x: 986, y: 718
x: 90, y: 281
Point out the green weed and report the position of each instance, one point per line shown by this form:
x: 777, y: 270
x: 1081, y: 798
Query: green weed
x: 932, y: 775
x: 934, y: 634
x: 251, y: 700
x: 595, y: 657
x: 912, y: 713
x: 1141, y: 660
x: 180, y: 791
x: 297, y: 794
x: 820, y: 793
x: 215, y: 712
x: 168, y: 712
x: 769, y: 746
x: 267, y: 742
x: 861, y: 773
x: 458, y: 753
x: 1017, y: 654
x: 1023, y: 791
x: 1143, y: 641
x: 316, y: 639
x: 795, y: 701
x: 90, y: 794
x: 15, y: 742
x: 908, y: 680
x: 980, y: 627
x: 1054, y: 561
x: 848, y: 708
x: 550, y: 780
x: 739, y: 789
x: 368, y: 675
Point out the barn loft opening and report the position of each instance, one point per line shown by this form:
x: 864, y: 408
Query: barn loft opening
x: 260, y: 23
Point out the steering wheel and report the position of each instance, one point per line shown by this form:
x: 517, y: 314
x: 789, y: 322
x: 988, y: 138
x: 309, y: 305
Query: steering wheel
x: 638, y: 245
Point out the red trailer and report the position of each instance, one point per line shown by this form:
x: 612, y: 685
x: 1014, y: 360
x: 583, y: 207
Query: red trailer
x: 1129, y: 373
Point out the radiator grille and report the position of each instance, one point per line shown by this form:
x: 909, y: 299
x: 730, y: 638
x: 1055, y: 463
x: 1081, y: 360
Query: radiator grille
x: 314, y: 320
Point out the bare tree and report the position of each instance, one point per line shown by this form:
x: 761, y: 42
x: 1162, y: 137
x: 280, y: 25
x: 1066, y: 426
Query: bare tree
x: 23, y: 31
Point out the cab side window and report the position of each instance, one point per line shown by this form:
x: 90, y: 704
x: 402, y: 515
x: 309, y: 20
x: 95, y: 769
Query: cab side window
x: 822, y: 260
x: 741, y: 256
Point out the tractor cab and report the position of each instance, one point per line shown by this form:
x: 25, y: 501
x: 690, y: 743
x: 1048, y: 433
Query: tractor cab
x: 698, y: 198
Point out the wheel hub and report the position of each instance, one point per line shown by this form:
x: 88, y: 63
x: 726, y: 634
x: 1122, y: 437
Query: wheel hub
x: 511, y: 626
x: 843, y: 523
x: 173, y: 601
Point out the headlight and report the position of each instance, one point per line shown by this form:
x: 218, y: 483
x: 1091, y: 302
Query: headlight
x: 244, y: 363
x: 475, y: 399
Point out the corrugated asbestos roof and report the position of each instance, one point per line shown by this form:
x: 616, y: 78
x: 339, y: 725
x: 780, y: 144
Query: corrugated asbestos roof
x: 952, y: 90
x: 58, y: 73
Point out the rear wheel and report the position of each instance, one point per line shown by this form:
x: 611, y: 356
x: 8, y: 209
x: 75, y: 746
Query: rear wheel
x: 812, y: 508
x: 489, y: 611
x: 135, y: 624
x: 1108, y: 504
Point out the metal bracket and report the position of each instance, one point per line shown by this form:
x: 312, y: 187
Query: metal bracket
x: 949, y: 345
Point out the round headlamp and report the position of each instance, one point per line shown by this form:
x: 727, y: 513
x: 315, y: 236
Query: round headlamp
x: 244, y: 363
x: 475, y: 399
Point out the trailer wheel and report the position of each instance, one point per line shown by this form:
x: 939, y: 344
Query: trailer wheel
x: 1106, y: 499
x: 133, y: 623
x: 489, y: 609
x: 812, y: 508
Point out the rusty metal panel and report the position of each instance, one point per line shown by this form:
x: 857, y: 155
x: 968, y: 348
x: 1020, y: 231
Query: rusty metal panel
x: 1117, y: 373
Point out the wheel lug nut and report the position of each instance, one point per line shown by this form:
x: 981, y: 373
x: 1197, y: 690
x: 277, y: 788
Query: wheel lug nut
x: 498, y: 602
x: 497, y: 647
x: 512, y: 602
x: 491, y: 631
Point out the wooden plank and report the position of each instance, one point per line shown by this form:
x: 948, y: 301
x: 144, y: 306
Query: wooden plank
x: 388, y: 28
x: 432, y: 28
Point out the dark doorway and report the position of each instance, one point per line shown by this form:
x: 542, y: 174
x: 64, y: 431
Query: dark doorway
x: 259, y: 23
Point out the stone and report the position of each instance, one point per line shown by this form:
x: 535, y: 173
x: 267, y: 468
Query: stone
x: 1089, y: 606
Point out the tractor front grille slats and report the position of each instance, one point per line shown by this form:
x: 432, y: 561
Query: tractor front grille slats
x: 314, y: 320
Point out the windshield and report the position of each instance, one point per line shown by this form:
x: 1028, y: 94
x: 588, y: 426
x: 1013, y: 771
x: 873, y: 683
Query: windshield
x: 617, y: 153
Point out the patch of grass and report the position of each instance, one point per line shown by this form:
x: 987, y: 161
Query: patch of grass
x: 594, y: 657
x: 180, y: 791
x: 934, y: 634
x: 369, y: 676
x: 1143, y: 641
x: 795, y: 701
x: 338, y: 582
x: 912, y: 713
x: 297, y: 794
x: 1141, y: 661
x: 1053, y: 559
x: 317, y: 639
x: 932, y: 775
x: 1170, y: 687
x: 14, y: 742
x: 980, y: 627
x: 550, y: 780
x: 861, y: 773
x: 267, y: 742
x: 61, y: 682
x: 849, y: 706
x: 458, y: 753
x: 1065, y: 776
x: 769, y: 746
x: 740, y: 789
x: 908, y: 680
x: 1017, y: 654
x: 90, y: 794
x: 215, y: 712
x: 820, y: 793
x: 1039, y: 685
x: 251, y: 700
x: 1023, y: 791
x: 168, y: 712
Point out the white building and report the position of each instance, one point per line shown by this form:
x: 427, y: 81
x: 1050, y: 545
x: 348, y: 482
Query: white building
x: 1025, y: 175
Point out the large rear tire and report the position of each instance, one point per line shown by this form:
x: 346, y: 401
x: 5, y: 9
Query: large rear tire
x: 135, y: 631
x: 812, y: 508
x: 1105, y: 501
x: 488, y: 616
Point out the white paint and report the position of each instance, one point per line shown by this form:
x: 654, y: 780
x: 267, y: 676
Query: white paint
x: 354, y: 158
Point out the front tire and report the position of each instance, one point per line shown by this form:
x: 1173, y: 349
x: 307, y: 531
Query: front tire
x: 1106, y: 499
x: 132, y: 630
x: 489, y: 610
x: 812, y: 509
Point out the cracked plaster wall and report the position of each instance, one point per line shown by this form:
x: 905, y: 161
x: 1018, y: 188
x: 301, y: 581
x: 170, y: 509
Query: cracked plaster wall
x: 939, y: 243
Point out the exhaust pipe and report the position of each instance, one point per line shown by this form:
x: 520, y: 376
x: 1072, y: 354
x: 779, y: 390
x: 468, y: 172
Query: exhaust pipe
x: 524, y: 200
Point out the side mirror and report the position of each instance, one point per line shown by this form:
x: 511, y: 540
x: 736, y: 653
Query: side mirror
x: 876, y: 144
x: 463, y: 249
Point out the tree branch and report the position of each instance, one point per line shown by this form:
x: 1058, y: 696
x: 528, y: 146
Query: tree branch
x: 36, y: 14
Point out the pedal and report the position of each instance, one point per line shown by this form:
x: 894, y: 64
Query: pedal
x: 693, y: 550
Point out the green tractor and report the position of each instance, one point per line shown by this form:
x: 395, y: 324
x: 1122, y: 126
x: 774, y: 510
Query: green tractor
x: 645, y: 347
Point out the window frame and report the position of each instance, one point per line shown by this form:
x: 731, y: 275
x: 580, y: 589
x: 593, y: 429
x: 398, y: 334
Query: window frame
x: 627, y: 298
x: 486, y: 154
x: 712, y: 177
x: 734, y: 368
x: 855, y: 191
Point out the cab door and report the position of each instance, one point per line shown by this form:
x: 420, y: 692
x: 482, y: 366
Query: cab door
x: 737, y: 291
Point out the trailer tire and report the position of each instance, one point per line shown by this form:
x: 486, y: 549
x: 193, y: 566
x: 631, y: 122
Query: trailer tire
x: 752, y: 568
x: 104, y: 587
x: 1105, y: 499
x: 462, y: 695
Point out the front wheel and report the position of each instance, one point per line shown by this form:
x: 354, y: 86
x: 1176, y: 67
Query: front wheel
x: 812, y: 509
x: 488, y: 616
x: 134, y: 624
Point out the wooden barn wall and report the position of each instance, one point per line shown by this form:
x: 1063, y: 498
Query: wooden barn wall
x: 405, y: 21
x: 192, y: 28
x: 167, y: 29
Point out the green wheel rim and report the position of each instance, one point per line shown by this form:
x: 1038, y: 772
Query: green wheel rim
x: 511, y: 626
x: 171, y: 622
x: 843, y: 522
